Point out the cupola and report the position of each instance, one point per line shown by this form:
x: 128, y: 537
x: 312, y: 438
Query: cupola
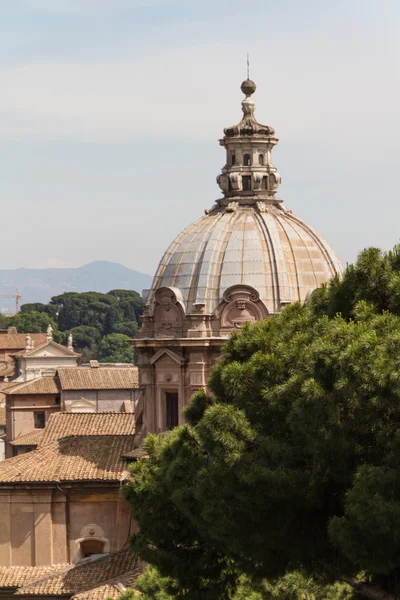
x: 249, y: 175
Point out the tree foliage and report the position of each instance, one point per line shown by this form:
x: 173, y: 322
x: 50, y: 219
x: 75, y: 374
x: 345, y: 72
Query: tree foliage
x: 115, y: 348
x: 293, y: 586
x: 292, y: 462
x: 34, y: 322
x: 90, y: 317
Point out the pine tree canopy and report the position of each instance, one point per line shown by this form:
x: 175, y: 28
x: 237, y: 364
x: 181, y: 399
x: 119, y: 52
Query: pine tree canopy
x: 291, y: 463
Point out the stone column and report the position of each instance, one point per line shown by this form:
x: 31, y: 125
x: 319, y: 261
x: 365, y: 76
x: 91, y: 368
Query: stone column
x: 5, y: 529
x: 43, y: 528
x: 59, y: 529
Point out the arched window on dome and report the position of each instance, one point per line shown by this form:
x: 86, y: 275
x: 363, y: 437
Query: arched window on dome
x: 261, y: 159
x: 247, y: 160
x: 264, y: 183
x: 233, y: 159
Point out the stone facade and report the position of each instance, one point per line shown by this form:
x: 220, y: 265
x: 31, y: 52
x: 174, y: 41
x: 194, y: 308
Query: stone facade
x: 245, y: 259
x: 62, y: 501
x: 45, y: 525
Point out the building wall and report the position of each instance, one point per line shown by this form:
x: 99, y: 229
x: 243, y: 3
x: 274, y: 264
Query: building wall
x: 183, y: 370
x: 34, y: 522
x: 107, y: 511
x: 2, y: 443
x: 32, y: 367
x: 105, y: 400
x: 20, y: 414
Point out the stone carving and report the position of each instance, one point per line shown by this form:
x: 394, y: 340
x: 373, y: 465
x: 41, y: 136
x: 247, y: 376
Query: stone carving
x: 262, y: 207
x: 70, y: 342
x: 236, y: 181
x: 257, y: 180
x: 91, y: 530
x: 241, y: 304
x: 49, y: 333
x: 222, y: 181
x: 168, y: 313
x: 232, y: 206
x: 273, y: 181
x: 28, y: 342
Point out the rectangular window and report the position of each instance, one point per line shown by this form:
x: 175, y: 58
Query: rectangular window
x: 39, y: 419
x: 172, y: 408
x: 246, y: 180
x: 264, y: 183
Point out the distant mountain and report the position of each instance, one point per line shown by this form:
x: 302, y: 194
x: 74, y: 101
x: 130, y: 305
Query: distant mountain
x: 39, y: 285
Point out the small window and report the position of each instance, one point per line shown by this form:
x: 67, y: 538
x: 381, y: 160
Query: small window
x: 90, y: 547
x: 234, y: 159
x: 264, y: 183
x: 247, y: 160
x: 39, y: 420
x: 261, y: 159
x: 172, y: 407
x: 246, y: 179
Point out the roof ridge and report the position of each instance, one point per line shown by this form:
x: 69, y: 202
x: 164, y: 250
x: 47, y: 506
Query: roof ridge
x: 47, y: 342
x: 77, y: 566
x: 113, y: 581
x: 103, y: 412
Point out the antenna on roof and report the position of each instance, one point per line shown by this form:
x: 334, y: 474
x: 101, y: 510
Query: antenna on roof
x: 248, y: 66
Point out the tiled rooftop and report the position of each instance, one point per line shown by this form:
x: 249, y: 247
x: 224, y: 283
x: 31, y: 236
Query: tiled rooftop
x: 65, y: 424
x: 14, y: 577
x: 87, y: 576
x: 136, y: 454
x: 71, y: 459
x: 11, y: 340
x: 42, y: 385
x: 91, y: 378
x: 33, y: 438
x: 110, y: 589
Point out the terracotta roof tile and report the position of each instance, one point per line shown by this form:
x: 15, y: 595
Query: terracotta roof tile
x: 15, y: 577
x: 33, y: 438
x: 106, y: 378
x: 110, y: 589
x: 86, y: 576
x: 75, y: 458
x: 42, y: 385
x: 65, y: 424
x: 17, y: 341
x: 136, y: 454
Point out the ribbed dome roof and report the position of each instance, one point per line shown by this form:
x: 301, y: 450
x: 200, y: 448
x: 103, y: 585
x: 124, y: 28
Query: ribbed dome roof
x: 268, y: 249
x: 247, y: 239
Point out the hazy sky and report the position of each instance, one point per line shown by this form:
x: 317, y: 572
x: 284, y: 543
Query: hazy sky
x: 110, y: 112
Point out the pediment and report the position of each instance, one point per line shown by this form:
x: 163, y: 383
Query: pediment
x: 82, y: 403
x: 50, y: 349
x: 167, y: 356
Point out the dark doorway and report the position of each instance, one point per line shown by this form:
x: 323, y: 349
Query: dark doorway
x: 172, y: 407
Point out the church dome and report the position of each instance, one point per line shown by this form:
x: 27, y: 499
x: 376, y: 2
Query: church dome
x: 266, y: 248
x: 247, y: 240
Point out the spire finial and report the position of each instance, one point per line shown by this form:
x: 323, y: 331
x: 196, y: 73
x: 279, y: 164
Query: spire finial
x: 248, y: 66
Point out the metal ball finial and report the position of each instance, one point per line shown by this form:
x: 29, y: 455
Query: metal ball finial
x: 248, y: 87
